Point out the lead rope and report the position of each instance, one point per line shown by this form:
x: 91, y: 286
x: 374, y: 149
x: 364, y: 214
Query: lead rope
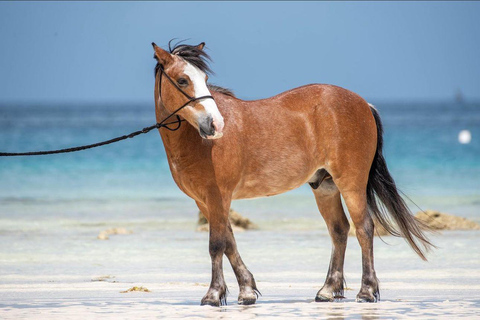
x: 158, y: 125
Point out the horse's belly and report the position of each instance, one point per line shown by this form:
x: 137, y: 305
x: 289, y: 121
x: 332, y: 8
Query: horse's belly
x: 250, y: 193
x: 260, y: 185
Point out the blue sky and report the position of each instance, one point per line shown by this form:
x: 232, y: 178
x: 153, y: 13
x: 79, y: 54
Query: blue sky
x: 100, y: 51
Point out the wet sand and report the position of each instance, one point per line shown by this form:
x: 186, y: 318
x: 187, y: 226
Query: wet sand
x: 57, y: 274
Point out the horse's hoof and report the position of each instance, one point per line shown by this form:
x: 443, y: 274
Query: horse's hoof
x: 215, y: 298
x: 210, y: 302
x: 330, y: 293
x: 322, y: 298
x: 362, y: 298
x: 248, y: 295
x: 245, y: 301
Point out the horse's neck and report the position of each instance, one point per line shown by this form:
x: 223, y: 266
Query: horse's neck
x: 160, y: 111
x: 177, y: 143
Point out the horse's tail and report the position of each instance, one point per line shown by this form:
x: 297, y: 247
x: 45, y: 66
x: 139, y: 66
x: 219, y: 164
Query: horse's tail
x: 399, y: 222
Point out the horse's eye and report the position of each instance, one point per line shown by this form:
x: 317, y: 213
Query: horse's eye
x: 182, y: 82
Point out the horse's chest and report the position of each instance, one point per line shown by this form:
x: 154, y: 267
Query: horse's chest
x: 179, y: 168
x: 185, y: 173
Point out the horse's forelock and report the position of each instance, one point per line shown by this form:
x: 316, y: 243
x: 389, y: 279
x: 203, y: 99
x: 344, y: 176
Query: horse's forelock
x: 193, y: 55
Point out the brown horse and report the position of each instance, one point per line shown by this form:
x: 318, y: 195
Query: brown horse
x: 319, y: 134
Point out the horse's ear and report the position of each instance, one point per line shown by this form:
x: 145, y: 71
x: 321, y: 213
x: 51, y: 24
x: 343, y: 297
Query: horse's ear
x: 161, y: 55
x: 201, y: 46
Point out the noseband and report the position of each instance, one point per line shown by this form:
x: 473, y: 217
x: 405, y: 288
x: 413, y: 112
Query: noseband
x: 174, y: 113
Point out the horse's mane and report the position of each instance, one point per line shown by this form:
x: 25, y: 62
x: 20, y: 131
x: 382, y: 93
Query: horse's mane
x: 196, y: 57
x: 219, y: 89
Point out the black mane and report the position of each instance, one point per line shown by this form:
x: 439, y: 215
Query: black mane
x: 191, y: 54
x: 198, y: 58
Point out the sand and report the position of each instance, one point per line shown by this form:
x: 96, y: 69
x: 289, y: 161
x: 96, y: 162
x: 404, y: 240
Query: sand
x: 52, y: 266
x: 55, y: 276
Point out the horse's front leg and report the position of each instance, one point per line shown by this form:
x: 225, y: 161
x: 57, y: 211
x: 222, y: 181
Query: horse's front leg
x: 216, y: 211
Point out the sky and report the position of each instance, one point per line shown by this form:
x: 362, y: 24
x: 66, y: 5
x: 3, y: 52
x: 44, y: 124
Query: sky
x: 79, y: 52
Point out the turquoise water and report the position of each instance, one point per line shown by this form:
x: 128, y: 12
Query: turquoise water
x: 131, y: 179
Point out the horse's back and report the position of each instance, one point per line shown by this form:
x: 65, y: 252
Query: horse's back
x: 280, y: 142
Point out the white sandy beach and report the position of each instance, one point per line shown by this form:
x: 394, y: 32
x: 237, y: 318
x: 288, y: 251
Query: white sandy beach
x: 50, y: 266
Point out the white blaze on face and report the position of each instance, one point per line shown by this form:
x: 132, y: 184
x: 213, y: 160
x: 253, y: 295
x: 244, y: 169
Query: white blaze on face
x: 197, y: 77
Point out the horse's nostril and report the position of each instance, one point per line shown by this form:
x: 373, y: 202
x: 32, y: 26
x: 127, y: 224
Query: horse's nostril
x: 210, y: 125
x: 207, y: 127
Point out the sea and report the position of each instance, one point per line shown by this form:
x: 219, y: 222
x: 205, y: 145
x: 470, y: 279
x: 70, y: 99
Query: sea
x: 131, y: 179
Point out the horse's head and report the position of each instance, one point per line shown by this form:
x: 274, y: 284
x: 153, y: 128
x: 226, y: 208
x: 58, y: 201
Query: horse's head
x: 187, y: 68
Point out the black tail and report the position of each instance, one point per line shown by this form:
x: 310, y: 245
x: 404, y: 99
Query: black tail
x: 400, y: 222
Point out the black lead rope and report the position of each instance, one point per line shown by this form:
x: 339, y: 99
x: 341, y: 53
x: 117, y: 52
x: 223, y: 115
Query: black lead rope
x: 161, y: 124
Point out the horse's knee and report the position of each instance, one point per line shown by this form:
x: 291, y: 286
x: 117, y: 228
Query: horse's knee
x: 216, y: 247
x: 340, y: 229
x: 218, y: 240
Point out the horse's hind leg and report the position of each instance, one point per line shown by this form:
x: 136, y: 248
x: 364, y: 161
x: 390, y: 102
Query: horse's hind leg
x: 246, y: 282
x: 330, y: 206
x: 355, y: 198
x: 216, y: 212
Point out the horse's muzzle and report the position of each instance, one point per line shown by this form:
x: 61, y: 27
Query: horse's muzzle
x: 209, y: 128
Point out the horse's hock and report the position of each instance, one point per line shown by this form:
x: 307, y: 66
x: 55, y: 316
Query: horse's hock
x: 238, y: 222
x: 379, y: 230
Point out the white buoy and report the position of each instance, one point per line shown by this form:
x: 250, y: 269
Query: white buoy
x: 464, y: 137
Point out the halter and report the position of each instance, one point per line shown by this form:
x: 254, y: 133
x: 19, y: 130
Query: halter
x: 190, y: 99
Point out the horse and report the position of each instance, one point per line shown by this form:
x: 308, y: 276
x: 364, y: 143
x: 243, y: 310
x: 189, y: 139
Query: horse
x: 320, y: 134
